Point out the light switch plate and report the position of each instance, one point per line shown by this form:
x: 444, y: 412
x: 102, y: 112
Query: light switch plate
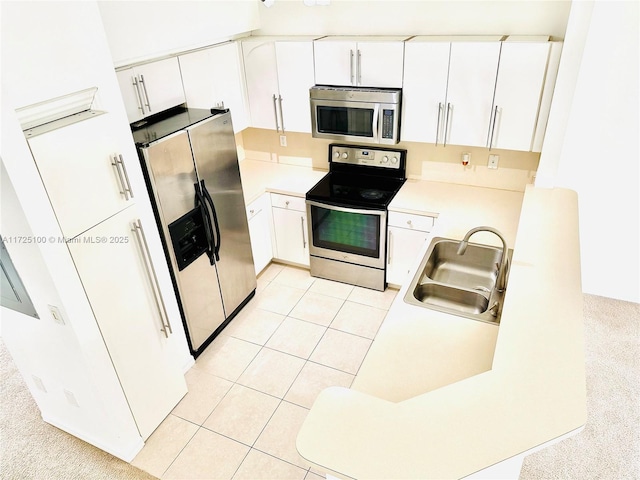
x: 493, y: 161
x: 56, y: 315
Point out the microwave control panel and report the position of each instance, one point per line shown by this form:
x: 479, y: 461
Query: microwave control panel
x: 387, y: 123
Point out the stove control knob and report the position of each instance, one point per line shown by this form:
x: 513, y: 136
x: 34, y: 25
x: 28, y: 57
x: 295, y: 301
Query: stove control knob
x: 385, y: 159
x: 336, y: 154
x: 394, y: 160
x: 345, y: 155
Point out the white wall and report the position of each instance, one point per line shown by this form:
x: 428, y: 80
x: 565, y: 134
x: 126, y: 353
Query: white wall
x: 416, y: 17
x: 140, y: 30
x: 592, y: 142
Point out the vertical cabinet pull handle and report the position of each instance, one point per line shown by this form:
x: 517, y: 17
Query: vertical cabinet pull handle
x: 493, y: 127
x: 144, y: 89
x: 389, y: 247
x: 281, y: 114
x: 275, y: 112
x: 123, y: 177
x: 351, y: 69
x: 136, y: 87
x: 359, y: 68
x: 153, y: 279
x: 447, y: 121
x: 440, y: 108
x: 304, y: 240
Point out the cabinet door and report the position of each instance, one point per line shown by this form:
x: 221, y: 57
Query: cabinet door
x: 212, y: 77
x: 404, y: 247
x: 424, y: 91
x: 472, y: 77
x: 161, y: 85
x: 112, y: 265
x: 291, y: 235
x: 262, y: 82
x: 257, y: 214
x: 380, y: 64
x: 335, y: 62
x: 76, y: 164
x: 131, y: 94
x: 295, y: 77
x: 518, y: 91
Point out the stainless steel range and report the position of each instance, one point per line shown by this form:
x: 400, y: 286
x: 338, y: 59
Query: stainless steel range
x: 347, y: 214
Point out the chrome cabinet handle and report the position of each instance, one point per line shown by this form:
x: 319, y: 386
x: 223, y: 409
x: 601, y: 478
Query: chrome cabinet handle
x: 275, y: 112
x: 359, y: 68
x: 304, y: 240
x: 126, y: 175
x: 136, y: 87
x: 351, y: 67
x: 144, y: 89
x: 493, y: 127
x: 123, y: 177
x: 281, y: 114
x: 389, y: 248
x: 440, y: 108
x: 447, y: 121
x: 153, y: 279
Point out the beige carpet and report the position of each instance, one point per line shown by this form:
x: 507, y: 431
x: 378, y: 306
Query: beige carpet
x: 607, y: 449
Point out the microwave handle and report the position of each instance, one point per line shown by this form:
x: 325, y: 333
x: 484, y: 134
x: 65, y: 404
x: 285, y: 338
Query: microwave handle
x: 374, y: 122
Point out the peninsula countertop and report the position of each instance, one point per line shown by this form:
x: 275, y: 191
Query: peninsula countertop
x: 419, y: 411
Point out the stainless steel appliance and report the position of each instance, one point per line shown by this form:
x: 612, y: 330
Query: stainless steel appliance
x: 356, y: 114
x: 191, y: 167
x: 347, y: 214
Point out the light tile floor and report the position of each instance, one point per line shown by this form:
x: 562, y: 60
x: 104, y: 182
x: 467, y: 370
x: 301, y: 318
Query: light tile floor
x: 251, y: 389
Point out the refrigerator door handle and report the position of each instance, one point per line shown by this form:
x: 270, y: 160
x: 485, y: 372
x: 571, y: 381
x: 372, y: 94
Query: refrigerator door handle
x: 207, y: 196
x: 208, y: 230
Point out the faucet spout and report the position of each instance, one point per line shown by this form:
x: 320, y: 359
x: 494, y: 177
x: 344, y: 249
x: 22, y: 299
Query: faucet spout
x: 502, y: 271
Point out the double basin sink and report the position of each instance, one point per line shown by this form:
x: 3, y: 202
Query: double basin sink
x: 468, y: 281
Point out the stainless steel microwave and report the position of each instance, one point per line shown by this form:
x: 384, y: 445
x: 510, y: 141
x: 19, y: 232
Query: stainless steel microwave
x: 356, y: 114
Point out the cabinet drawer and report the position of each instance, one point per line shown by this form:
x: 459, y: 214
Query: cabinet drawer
x: 422, y: 223
x: 288, y: 202
x: 255, y: 207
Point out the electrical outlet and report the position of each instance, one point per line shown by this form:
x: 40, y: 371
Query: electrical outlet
x: 493, y: 161
x: 55, y: 313
x: 283, y: 140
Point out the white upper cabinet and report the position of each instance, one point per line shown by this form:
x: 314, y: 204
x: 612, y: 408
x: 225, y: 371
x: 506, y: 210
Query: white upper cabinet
x: 472, y: 77
x: 84, y: 168
x: 359, y: 61
x: 516, y: 105
x: 477, y: 91
x: 213, y: 77
x: 151, y: 88
x: 279, y: 74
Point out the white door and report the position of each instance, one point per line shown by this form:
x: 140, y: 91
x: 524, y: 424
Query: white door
x: 262, y: 83
x: 212, y: 77
x: 76, y: 164
x: 295, y: 78
x: 404, y: 246
x: 335, y: 62
x: 518, y: 92
x: 380, y: 64
x: 472, y: 77
x: 111, y: 263
x: 291, y: 235
x: 424, y: 92
x: 161, y: 85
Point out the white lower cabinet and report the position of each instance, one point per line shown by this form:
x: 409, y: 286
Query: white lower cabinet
x: 259, y: 232
x: 114, y: 265
x: 290, y: 229
x: 406, y: 236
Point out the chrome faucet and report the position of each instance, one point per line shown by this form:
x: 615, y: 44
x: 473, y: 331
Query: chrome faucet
x: 501, y: 281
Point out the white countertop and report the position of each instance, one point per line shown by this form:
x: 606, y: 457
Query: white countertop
x: 449, y: 408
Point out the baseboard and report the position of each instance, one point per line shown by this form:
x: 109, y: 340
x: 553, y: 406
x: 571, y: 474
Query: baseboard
x: 124, y: 451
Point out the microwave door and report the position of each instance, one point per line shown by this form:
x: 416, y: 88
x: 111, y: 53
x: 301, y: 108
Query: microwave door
x: 347, y: 121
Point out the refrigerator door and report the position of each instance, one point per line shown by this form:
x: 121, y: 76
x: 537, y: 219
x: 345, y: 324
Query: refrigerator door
x: 173, y: 177
x: 214, y: 150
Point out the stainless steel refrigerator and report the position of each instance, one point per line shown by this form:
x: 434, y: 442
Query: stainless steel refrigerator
x: 191, y: 167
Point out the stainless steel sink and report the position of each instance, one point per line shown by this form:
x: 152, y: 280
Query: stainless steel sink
x: 461, y: 284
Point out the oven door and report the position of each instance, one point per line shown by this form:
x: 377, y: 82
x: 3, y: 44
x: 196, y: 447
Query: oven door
x: 346, y: 121
x: 346, y: 234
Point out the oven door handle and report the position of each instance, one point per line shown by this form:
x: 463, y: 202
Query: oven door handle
x: 380, y: 213
x: 374, y: 123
